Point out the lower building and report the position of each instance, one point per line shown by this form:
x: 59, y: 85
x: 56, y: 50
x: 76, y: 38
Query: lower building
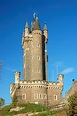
x: 43, y: 92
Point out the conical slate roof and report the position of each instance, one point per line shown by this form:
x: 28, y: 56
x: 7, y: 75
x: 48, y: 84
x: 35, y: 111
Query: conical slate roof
x: 35, y: 24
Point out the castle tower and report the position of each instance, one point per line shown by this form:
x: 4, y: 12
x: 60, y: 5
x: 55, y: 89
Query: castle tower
x: 34, y: 45
x: 35, y: 88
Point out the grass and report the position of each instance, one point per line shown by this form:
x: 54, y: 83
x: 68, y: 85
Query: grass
x: 27, y: 108
x: 42, y: 109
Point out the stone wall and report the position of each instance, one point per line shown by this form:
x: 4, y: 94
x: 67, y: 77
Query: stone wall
x: 39, y: 92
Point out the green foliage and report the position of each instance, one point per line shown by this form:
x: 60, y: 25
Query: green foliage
x: 73, y: 104
x: 2, y: 101
x: 27, y: 108
x: 42, y: 109
x: 14, y: 100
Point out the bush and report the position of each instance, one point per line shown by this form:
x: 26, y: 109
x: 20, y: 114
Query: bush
x: 73, y: 104
x: 2, y: 102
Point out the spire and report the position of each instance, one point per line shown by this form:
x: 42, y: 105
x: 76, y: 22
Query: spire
x: 35, y: 23
x: 45, y: 26
x: 26, y: 26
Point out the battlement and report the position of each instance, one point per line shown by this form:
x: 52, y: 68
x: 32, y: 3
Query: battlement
x: 33, y: 86
x: 33, y: 82
x: 40, y: 84
x: 53, y: 83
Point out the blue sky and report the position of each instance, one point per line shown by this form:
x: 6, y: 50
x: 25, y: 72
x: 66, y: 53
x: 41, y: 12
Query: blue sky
x: 61, y: 19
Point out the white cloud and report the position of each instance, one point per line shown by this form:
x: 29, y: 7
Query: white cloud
x: 9, y: 69
x: 67, y: 70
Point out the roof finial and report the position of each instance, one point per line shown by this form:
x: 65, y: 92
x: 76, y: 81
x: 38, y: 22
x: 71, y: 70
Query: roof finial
x: 34, y: 15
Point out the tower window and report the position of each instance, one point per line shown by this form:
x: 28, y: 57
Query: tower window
x: 55, y: 97
x: 38, y: 71
x: 23, y: 96
x: 38, y: 57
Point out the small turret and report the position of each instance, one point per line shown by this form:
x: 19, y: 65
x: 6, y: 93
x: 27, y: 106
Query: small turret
x: 17, y: 77
x: 60, y: 78
x: 45, y: 26
x: 22, y: 37
x: 45, y: 32
x: 26, y: 29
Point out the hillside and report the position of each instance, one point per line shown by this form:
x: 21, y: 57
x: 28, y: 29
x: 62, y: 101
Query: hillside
x: 30, y: 110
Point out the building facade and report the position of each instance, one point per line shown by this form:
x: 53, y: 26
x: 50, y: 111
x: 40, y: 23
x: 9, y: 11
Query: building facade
x: 35, y: 88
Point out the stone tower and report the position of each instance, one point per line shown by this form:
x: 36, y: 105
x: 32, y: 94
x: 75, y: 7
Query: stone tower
x: 35, y: 57
x: 35, y: 88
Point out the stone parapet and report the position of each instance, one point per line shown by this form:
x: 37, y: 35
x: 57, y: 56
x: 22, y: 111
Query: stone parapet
x: 33, y: 82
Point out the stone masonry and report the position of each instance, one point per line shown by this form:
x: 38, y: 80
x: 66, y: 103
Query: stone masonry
x: 35, y: 88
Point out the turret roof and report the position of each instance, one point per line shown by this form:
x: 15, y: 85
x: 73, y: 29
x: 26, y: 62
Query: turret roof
x: 45, y: 26
x: 35, y: 24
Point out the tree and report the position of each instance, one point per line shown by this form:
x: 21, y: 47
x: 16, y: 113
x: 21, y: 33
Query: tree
x: 2, y: 102
x: 73, y: 104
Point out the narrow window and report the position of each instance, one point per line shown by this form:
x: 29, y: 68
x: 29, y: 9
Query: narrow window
x: 36, y: 96
x: 38, y: 57
x: 55, y: 97
x: 38, y: 71
x: 40, y: 96
x: 23, y: 96
x: 45, y: 96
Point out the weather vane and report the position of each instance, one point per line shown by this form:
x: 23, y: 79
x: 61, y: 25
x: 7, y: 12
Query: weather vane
x: 34, y: 15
